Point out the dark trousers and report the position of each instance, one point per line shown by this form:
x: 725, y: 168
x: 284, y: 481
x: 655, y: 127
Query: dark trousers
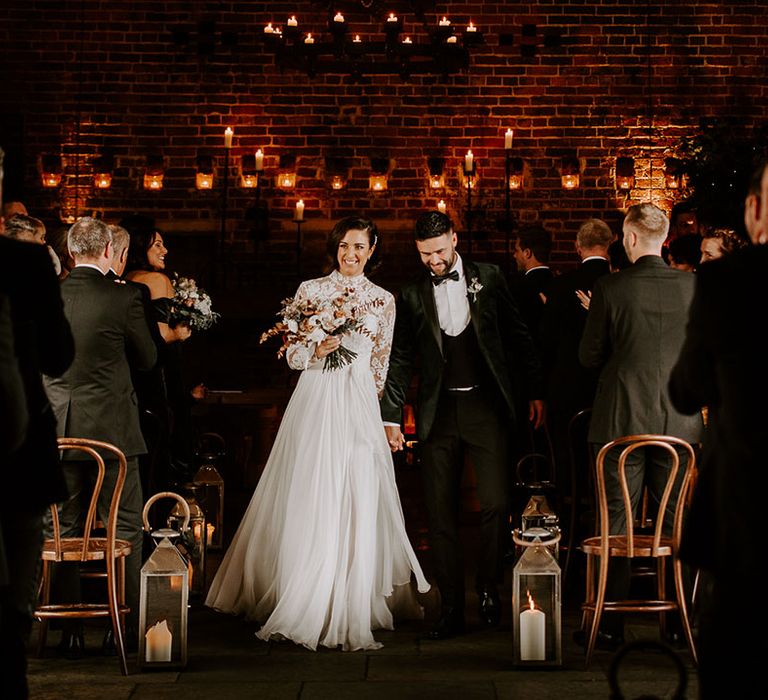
x: 22, y: 539
x: 649, y: 467
x: 79, y: 477
x: 476, y: 422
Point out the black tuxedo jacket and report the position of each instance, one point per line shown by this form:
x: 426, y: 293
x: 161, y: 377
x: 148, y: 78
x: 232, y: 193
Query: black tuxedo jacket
x: 526, y: 289
x: 43, y: 342
x: 503, y: 338
x: 635, y: 329
x: 571, y: 387
x: 95, y: 397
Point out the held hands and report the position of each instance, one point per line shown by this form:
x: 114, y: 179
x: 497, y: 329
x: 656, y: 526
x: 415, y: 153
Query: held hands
x: 327, y: 346
x: 395, y: 437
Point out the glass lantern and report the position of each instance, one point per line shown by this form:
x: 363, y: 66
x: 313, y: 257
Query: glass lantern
x: 163, y: 609
x: 539, y: 520
x: 192, y: 542
x: 536, y: 604
x: 210, y: 487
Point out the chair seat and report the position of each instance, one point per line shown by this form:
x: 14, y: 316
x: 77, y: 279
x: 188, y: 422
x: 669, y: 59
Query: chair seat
x: 72, y: 548
x: 618, y: 546
x: 641, y: 606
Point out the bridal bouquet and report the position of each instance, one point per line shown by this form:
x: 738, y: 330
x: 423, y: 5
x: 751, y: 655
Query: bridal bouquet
x: 191, y: 305
x: 308, y: 321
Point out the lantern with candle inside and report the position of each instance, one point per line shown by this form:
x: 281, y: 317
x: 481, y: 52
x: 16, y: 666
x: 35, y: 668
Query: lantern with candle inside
x: 674, y: 169
x: 379, y: 177
x: 50, y: 171
x: 102, y: 171
x: 210, y: 454
x: 249, y: 177
x: 625, y: 174
x: 286, y: 174
x: 442, y: 207
x: 516, y: 173
x: 536, y: 603
x: 204, y: 176
x: 539, y: 520
x: 436, y: 166
x: 163, y: 596
x: 569, y: 173
x: 154, y: 172
x: 193, y: 543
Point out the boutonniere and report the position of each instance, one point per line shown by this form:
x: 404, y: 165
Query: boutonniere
x: 473, y: 288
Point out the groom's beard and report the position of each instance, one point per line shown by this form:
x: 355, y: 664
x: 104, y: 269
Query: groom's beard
x: 443, y: 267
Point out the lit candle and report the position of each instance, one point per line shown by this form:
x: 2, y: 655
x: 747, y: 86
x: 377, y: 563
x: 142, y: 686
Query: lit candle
x: 471, y: 27
x: 441, y: 206
x: 451, y: 40
x: 357, y: 39
x: 228, y: 137
x: 469, y: 162
x: 508, y: 139
x: 209, y: 530
x: 292, y: 21
x: 159, y: 643
x: 299, y: 211
x: 337, y: 182
x: 532, y: 633
x: 268, y: 29
x: 392, y: 17
x: 444, y: 22
x: 259, y: 160
x: 338, y: 17
x: 407, y: 40
x: 309, y: 39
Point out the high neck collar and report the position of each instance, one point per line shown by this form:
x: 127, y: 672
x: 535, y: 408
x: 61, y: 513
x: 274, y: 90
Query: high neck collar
x: 337, y: 277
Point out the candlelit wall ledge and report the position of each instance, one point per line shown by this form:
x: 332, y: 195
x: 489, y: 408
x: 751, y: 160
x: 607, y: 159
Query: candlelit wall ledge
x: 154, y: 172
x: 204, y: 176
x: 379, y: 177
x: 625, y: 173
x: 51, y: 170
x: 103, y: 167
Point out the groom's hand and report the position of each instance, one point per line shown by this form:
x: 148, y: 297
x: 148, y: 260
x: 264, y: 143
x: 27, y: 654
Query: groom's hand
x: 395, y: 437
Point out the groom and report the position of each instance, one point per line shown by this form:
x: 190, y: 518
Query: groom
x: 474, y: 355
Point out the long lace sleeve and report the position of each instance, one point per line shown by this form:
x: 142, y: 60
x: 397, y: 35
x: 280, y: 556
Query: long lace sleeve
x: 301, y: 356
x: 383, y: 344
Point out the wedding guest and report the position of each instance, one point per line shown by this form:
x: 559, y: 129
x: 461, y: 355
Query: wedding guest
x: 683, y: 220
x: 32, y: 476
x: 120, y: 242
x: 30, y: 230
x: 13, y: 207
x: 57, y: 240
x: 719, y: 242
x: 95, y: 399
x: 685, y: 252
x: 323, y: 544
x: 13, y: 427
x: 721, y: 367
x: 532, y: 249
x: 475, y: 358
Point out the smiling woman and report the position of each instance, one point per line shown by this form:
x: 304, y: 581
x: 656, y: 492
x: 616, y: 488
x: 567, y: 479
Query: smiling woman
x: 353, y: 246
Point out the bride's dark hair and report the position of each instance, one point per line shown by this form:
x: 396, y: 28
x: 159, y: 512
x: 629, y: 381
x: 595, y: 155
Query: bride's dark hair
x: 354, y: 223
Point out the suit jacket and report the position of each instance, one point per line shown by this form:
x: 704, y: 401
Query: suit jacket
x: 635, y: 329
x: 571, y: 387
x: 503, y: 338
x: 95, y: 397
x: 526, y: 288
x: 43, y: 343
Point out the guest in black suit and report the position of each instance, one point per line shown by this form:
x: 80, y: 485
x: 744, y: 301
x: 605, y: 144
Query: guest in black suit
x: 32, y: 477
x: 13, y: 427
x: 571, y: 387
x: 532, y: 250
x: 721, y: 366
x: 475, y: 358
x: 634, y: 332
x: 95, y: 397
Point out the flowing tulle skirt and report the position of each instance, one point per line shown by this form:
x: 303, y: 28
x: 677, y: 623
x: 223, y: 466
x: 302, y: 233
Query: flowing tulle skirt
x: 323, y: 542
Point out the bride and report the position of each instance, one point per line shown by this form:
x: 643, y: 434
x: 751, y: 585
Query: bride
x: 323, y: 544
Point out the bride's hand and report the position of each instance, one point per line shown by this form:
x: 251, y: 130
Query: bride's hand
x: 327, y: 346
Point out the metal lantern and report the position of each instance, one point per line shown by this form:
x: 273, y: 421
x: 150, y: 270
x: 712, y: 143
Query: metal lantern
x: 540, y: 521
x: 163, y: 599
x: 536, y: 603
x: 210, y: 487
x: 192, y: 542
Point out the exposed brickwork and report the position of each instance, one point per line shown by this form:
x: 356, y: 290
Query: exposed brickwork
x: 590, y: 79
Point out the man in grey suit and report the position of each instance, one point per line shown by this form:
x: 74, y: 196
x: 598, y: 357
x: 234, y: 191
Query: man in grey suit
x: 634, y: 332
x: 95, y: 398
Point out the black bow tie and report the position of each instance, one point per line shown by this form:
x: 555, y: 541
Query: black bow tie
x: 453, y: 275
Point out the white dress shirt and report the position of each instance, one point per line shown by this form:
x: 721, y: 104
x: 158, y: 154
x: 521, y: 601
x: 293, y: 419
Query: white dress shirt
x: 452, y: 302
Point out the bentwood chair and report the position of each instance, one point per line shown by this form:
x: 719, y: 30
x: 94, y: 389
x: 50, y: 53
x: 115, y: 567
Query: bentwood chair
x: 656, y: 545
x: 91, y: 546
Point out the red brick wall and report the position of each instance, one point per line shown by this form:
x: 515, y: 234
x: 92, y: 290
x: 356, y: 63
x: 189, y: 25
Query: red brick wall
x: 593, y: 79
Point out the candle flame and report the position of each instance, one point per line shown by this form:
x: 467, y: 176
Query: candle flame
x: 530, y: 601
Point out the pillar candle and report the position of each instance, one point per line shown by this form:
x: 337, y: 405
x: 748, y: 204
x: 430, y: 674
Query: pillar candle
x: 228, y: 137
x: 159, y: 643
x: 292, y: 21
x: 259, y: 160
x: 299, y: 210
x: 441, y: 206
x: 532, y: 634
x: 469, y: 162
x: 508, y: 139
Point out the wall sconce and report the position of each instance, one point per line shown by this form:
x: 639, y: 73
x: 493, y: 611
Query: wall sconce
x: 204, y: 177
x: 569, y: 173
x: 674, y: 169
x: 50, y: 171
x: 625, y: 174
x: 286, y: 176
x: 516, y: 170
x: 249, y: 177
x: 336, y: 169
x: 102, y: 172
x: 379, y: 177
x: 154, y: 173
x: 337, y: 182
x: 436, y: 166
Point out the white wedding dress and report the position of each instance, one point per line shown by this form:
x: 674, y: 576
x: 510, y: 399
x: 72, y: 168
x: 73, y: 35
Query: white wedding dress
x: 323, y: 542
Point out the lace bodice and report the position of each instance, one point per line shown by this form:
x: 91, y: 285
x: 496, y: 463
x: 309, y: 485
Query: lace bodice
x: 377, y: 309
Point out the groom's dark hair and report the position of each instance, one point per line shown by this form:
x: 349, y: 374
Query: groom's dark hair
x: 431, y: 225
